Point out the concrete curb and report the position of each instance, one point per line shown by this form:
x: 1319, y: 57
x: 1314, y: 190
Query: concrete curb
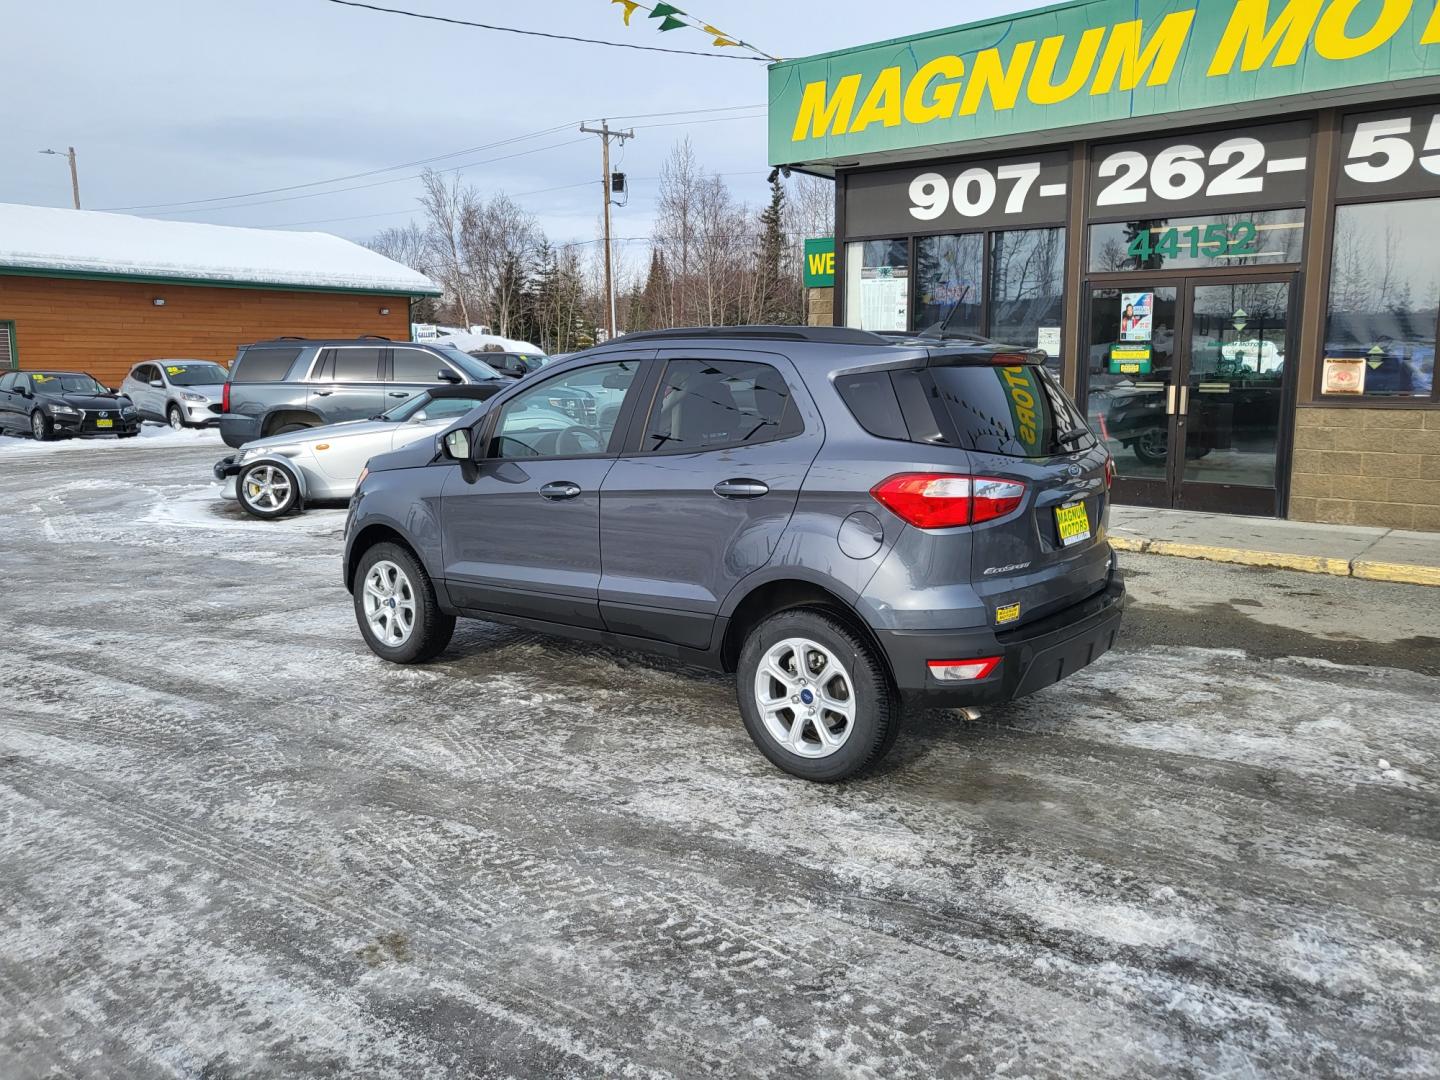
x: 1405, y: 573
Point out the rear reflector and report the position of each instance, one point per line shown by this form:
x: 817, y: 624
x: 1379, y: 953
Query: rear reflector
x: 963, y: 670
x: 944, y: 500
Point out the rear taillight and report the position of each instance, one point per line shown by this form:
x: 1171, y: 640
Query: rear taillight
x: 1109, y: 473
x: 963, y: 670
x: 225, y: 398
x: 944, y: 500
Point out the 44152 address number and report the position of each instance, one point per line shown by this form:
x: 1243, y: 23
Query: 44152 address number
x: 1213, y: 240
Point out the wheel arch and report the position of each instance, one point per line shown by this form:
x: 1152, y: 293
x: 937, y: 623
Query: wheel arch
x: 786, y: 594
x: 375, y: 533
x: 277, y: 418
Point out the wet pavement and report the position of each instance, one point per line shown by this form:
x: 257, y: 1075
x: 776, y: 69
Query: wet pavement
x: 234, y: 844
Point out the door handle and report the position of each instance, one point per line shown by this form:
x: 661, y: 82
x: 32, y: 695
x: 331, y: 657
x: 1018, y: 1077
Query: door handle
x: 1170, y: 400
x: 398, y: 393
x: 740, y: 489
x: 559, y: 489
x: 323, y: 393
x: 1185, y: 400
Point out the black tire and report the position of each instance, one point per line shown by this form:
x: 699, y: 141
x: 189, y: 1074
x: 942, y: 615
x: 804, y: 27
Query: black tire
x: 431, y: 629
x: 267, y: 489
x: 127, y: 434
x: 175, y: 417
x: 876, y: 722
x: 40, y: 427
x: 286, y: 429
x: 1152, y: 446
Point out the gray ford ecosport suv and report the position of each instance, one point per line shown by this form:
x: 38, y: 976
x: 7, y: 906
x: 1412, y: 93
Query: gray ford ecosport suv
x: 848, y: 522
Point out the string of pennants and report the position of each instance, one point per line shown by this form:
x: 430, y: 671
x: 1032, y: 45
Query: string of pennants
x: 672, y: 18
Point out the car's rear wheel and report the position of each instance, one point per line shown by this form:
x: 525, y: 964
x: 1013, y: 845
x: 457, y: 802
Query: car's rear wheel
x: 815, y: 697
x: 286, y: 429
x: 395, y: 605
x: 40, y: 426
x: 175, y: 418
x: 267, y: 489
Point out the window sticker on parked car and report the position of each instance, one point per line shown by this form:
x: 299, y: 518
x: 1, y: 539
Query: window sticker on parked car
x: 1008, y: 613
x: 42, y: 378
x: 174, y: 369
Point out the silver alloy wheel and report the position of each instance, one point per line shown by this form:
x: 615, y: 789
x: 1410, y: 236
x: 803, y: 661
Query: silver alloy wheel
x: 37, y: 425
x: 177, y: 421
x: 266, y: 487
x: 389, y: 604
x: 806, y: 697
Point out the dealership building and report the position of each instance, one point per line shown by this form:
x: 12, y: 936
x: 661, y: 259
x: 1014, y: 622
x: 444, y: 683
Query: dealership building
x: 87, y: 291
x: 1220, y: 222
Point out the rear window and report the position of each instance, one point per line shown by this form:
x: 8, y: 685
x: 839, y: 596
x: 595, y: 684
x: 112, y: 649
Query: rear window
x: 263, y: 365
x: 1016, y: 411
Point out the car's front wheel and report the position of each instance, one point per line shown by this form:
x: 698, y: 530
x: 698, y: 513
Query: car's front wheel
x: 175, y: 418
x: 395, y: 605
x: 40, y: 426
x: 815, y: 697
x: 267, y: 489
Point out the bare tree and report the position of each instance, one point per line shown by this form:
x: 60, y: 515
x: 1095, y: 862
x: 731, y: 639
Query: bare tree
x: 447, y: 207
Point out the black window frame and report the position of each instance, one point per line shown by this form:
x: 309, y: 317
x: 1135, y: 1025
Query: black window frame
x: 791, y: 426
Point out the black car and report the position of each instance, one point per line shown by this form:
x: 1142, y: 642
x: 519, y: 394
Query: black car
x: 55, y: 404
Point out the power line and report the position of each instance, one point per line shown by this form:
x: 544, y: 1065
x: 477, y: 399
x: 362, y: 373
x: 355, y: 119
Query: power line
x: 414, y: 209
x: 544, y: 34
x: 429, y: 160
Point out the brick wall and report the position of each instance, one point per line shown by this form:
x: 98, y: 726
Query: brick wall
x: 820, y: 307
x: 1367, y: 467
x: 104, y: 327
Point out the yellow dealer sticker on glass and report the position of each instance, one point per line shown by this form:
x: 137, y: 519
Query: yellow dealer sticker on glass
x: 174, y: 370
x: 1008, y: 613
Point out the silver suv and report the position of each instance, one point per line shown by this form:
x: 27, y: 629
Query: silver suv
x: 848, y: 522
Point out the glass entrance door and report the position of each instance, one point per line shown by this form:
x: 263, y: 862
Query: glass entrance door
x: 1186, y: 385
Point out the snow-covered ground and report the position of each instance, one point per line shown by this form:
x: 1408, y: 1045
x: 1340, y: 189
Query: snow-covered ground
x: 151, y: 437
x: 233, y: 843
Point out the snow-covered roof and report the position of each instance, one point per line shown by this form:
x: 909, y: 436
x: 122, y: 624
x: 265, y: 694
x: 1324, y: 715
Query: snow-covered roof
x: 42, y: 238
x: 476, y: 342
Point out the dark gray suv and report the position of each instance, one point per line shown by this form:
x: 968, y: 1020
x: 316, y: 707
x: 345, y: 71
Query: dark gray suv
x: 848, y: 522
x: 289, y: 384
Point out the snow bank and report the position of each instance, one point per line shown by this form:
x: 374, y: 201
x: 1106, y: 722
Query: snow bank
x: 479, y: 342
x: 85, y: 241
x: 151, y: 436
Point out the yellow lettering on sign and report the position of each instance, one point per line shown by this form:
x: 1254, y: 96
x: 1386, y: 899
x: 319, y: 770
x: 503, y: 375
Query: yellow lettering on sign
x: 882, y: 103
x: 942, y: 102
x: 1250, y: 30
x: 1125, y: 62
x: 1332, y: 38
x: 819, y: 115
x: 990, y: 73
x: 1432, y: 28
x: 1042, y: 89
x: 822, y: 262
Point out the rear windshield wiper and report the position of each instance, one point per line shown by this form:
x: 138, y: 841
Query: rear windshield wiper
x: 1072, y: 434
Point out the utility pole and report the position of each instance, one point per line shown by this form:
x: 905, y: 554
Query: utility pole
x: 74, y: 174
x: 605, y: 136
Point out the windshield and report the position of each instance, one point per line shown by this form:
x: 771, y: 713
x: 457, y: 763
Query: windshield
x: 476, y: 369
x: 62, y: 383
x: 423, y: 407
x: 199, y: 373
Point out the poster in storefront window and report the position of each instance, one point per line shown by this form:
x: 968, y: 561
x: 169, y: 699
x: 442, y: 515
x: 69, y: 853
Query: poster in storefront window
x: 1137, y: 316
x: 1047, y: 340
x: 884, y: 299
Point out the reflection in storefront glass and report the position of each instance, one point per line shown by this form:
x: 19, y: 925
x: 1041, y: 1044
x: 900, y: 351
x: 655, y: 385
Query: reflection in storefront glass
x: 1027, y: 274
x: 1384, y: 296
x: 877, y: 284
x: 1130, y: 368
x: 1254, y: 238
x: 948, y: 271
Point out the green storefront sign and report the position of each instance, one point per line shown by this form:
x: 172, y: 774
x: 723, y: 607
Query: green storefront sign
x: 820, y: 263
x: 1088, y: 63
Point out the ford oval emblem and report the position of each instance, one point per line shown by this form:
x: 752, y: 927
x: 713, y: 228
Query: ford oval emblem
x: 1073, y: 470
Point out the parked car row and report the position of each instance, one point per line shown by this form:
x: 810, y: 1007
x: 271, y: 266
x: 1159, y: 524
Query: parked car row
x: 63, y: 404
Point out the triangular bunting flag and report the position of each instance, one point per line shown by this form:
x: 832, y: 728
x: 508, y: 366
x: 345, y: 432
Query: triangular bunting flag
x: 630, y: 6
x: 665, y: 11
x: 721, y: 42
x: 671, y: 23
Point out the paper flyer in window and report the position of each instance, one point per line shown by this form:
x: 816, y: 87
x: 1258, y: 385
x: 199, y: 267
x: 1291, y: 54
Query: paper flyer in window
x: 1137, y: 316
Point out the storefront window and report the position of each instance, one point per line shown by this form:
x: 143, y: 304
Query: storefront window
x: 877, y: 284
x: 1027, y: 276
x: 948, y: 271
x: 1253, y: 238
x: 1384, y: 296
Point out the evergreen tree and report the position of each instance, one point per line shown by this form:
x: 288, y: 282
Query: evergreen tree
x: 776, y: 299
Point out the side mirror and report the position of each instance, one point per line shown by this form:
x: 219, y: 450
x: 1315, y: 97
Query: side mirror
x: 457, y: 445
x: 446, y: 375
x: 157, y: 384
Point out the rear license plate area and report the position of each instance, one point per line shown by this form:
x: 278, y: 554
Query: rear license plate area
x: 1072, y: 521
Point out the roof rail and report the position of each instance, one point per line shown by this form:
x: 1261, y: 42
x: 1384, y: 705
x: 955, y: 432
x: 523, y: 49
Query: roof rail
x: 828, y: 335
x: 374, y: 337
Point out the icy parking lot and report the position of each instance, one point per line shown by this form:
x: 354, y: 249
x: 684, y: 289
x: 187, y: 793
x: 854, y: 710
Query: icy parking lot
x: 235, y: 844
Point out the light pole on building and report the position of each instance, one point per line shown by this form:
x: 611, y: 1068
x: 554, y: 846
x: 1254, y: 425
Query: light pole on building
x: 74, y: 174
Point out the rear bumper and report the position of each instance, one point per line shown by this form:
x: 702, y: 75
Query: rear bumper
x: 1033, y: 657
x: 236, y: 430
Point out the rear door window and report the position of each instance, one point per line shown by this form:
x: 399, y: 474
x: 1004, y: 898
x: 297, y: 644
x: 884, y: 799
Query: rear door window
x: 709, y: 404
x: 356, y: 365
x: 264, y: 365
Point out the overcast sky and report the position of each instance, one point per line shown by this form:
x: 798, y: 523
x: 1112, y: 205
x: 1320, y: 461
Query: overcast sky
x: 174, y: 100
